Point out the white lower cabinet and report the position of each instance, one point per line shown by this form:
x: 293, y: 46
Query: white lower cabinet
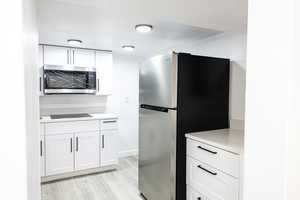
x: 213, y: 183
x: 59, y: 154
x: 109, y: 153
x: 64, y: 150
x: 192, y: 194
x: 87, y: 151
x: 212, y: 173
x: 42, y: 155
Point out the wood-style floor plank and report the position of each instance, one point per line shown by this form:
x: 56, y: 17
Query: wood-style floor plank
x: 121, y: 184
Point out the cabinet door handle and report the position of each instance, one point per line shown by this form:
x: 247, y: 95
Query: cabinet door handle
x: 40, y: 84
x: 208, y: 171
x: 41, y: 148
x: 71, y: 142
x: 73, y: 56
x: 112, y: 121
x: 102, y: 141
x: 68, y: 56
x: 77, y: 144
x: 213, y: 152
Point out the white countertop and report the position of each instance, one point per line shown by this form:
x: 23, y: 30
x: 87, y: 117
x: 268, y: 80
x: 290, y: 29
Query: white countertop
x: 227, y: 139
x: 47, y: 119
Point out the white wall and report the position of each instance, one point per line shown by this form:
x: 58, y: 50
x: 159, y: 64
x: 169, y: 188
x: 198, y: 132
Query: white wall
x: 232, y: 46
x: 293, y: 136
x: 66, y: 104
x: 269, y: 62
x: 30, y: 51
x: 124, y: 101
x: 19, y: 169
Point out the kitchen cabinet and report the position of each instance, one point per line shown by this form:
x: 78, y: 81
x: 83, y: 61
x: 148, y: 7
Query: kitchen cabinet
x: 73, y: 146
x: 55, y: 55
x: 104, y: 62
x: 87, y: 150
x: 42, y: 150
x: 109, y: 153
x: 83, y: 57
x: 40, y: 70
x: 59, y: 153
x: 211, y: 182
x: 194, y: 195
x: 212, y: 173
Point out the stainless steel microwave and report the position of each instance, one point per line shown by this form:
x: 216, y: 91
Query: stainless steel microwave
x: 69, y: 80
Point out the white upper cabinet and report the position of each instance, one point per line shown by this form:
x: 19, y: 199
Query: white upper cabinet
x: 104, y: 63
x: 57, y: 55
x: 83, y: 57
x: 54, y: 55
x: 40, y: 70
x: 87, y: 150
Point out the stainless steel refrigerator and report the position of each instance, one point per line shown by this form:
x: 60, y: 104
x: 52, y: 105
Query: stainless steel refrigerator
x: 179, y: 93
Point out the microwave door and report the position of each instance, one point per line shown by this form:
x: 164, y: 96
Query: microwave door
x: 69, y: 82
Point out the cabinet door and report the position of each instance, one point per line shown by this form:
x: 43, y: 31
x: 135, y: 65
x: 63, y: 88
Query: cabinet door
x: 42, y: 155
x: 109, y: 148
x: 59, y: 154
x: 192, y: 194
x: 56, y: 55
x: 87, y: 150
x: 104, y: 65
x: 214, y: 184
x: 40, y: 70
x: 83, y: 57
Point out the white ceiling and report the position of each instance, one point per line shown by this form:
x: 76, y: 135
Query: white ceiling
x: 109, y: 24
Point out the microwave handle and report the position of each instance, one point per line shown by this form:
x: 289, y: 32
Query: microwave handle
x: 98, y: 85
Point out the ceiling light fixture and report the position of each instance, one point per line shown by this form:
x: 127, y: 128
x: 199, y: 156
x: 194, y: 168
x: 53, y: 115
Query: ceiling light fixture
x: 144, y: 28
x: 128, y: 47
x: 74, y: 42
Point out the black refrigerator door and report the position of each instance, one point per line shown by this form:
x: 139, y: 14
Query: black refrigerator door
x: 202, y: 104
x: 203, y: 92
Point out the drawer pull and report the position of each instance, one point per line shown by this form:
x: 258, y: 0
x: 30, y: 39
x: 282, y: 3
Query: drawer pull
x: 213, y: 152
x: 212, y: 173
x: 106, y: 122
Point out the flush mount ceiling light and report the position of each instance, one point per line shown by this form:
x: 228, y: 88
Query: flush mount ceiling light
x: 74, y: 42
x: 143, y: 28
x: 128, y: 47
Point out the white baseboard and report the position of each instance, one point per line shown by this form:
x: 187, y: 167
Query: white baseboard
x: 132, y: 152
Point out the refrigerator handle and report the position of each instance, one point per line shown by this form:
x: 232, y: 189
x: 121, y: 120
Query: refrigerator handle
x: 156, y: 108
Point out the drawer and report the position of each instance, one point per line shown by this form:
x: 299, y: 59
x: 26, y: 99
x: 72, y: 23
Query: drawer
x: 211, y: 182
x: 109, y: 124
x: 192, y: 194
x: 71, y: 127
x: 215, y: 157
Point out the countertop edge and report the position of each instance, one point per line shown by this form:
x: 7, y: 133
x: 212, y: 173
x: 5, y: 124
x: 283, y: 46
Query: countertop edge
x: 108, y: 116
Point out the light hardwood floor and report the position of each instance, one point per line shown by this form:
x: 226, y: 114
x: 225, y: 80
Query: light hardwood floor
x: 115, y: 185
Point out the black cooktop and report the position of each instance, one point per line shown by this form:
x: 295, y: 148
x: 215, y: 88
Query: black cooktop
x: 70, y: 116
